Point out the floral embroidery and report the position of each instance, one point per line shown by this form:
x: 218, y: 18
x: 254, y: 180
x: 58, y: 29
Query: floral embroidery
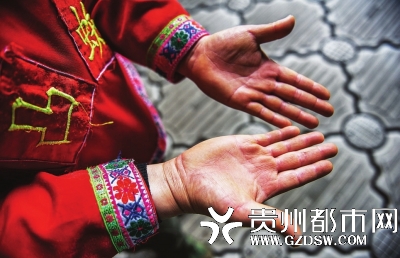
x: 125, y: 190
x: 117, y: 164
x: 104, y: 201
x: 179, y: 40
x: 173, y: 42
x: 125, y: 206
x: 114, y: 232
x: 140, y: 228
x: 109, y: 218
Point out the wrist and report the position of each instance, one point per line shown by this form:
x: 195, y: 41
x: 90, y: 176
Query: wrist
x: 185, y: 66
x: 166, y: 188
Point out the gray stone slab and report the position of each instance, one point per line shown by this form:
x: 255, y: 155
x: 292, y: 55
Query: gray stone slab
x: 332, y: 253
x: 386, y: 244
x: 153, y: 90
x: 347, y: 187
x: 388, y: 158
x: 191, y: 226
x: 376, y: 80
x: 217, y: 20
x: 229, y: 255
x: 364, y: 131
x: 190, y: 4
x: 152, y: 82
x: 175, y: 151
x: 253, y: 128
x: 340, y: 50
x: 155, y: 78
x: 308, y: 33
x: 250, y: 250
x: 366, y: 22
x: 172, y: 150
x: 263, y: 123
x: 239, y: 5
x: 190, y: 115
x: 332, y: 77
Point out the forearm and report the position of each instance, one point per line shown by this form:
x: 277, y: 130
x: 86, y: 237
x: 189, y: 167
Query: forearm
x: 95, y: 212
x: 52, y: 216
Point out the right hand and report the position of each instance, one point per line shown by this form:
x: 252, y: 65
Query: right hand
x: 230, y: 67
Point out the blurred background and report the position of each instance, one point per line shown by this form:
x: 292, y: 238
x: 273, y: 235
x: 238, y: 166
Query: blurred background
x: 351, y: 47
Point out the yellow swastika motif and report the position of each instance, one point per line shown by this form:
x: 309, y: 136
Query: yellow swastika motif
x: 20, y: 103
x: 87, y: 31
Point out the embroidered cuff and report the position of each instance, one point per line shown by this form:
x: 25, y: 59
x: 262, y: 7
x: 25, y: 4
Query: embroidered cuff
x: 171, y: 45
x: 124, y: 202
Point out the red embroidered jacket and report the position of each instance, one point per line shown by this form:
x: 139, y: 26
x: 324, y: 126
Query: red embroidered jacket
x: 69, y: 102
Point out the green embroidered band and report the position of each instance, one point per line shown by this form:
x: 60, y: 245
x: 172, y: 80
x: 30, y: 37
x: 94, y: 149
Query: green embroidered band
x: 124, y: 202
x: 172, y: 44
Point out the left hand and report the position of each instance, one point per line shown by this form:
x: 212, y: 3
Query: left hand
x: 230, y: 67
x: 239, y: 171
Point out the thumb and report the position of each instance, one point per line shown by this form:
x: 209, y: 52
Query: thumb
x: 273, y: 31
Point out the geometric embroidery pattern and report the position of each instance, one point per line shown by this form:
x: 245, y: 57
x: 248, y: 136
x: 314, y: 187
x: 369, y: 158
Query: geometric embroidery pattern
x: 124, y: 203
x: 45, y: 114
x: 20, y: 103
x: 171, y: 45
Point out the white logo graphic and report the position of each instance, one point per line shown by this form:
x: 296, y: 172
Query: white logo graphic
x: 387, y: 219
x: 221, y: 219
x: 263, y: 215
x: 353, y: 213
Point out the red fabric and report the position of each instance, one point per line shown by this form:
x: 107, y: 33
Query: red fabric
x: 55, y: 216
x: 30, y: 83
x: 119, y: 20
x: 45, y: 215
x: 94, y: 51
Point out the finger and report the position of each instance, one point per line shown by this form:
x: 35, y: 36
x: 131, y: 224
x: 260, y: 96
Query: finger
x: 258, y: 110
x: 297, y: 143
x: 291, y: 179
x: 291, y: 77
x: 272, y: 31
x: 294, y: 113
x: 255, y: 209
x: 276, y: 135
x: 302, y: 98
x: 301, y: 158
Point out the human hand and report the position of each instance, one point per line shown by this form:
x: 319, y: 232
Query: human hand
x: 230, y: 67
x: 240, y: 171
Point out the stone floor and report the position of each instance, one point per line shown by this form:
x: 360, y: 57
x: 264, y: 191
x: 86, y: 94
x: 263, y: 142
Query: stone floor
x: 351, y: 47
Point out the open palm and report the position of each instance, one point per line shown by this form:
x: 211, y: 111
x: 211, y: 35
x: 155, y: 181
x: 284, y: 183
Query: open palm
x: 242, y: 171
x: 230, y: 67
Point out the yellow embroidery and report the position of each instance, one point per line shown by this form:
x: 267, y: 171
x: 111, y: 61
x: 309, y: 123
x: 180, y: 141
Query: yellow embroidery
x: 103, y: 124
x: 20, y: 103
x: 87, y: 31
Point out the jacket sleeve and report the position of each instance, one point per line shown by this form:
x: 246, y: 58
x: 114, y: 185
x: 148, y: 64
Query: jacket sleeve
x: 88, y: 213
x: 155, y: 33
x: 107, y: 208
